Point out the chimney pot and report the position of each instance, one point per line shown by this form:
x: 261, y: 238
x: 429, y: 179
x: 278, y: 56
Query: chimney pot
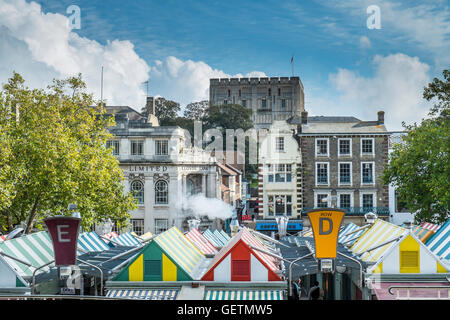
x: 380, y: 117
x: 304, y: 117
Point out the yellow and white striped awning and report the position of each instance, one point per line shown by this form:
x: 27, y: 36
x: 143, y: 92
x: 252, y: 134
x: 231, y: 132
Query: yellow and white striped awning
x: 379, y: 233
x: 143, y: 294
x: 243, y: 295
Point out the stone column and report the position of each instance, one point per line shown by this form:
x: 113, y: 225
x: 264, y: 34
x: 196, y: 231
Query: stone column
x: 204, y: 184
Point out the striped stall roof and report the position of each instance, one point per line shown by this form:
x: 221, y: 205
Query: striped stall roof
x: 127, y: 240
x: 422, y: 233
x: 91, y: 242
x: 143, y: 294
x: 349, y: 239
x: 220, y: 237
x: 35, y: 249
x: 201, y: 242
x: 180, y: 249
x: 430, y: 226
x: 212, y: 238
x: 379, y: 233
x: 308, y: 233
x: 249, y: 239
x: 144, y: 237
x: 225, y: 235
x: 243, y: 295
x: 439, y: 243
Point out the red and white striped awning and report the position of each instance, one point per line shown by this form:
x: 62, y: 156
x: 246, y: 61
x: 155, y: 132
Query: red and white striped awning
x: 430, y: 226
x: 249, y: 239
x: 201, y: 242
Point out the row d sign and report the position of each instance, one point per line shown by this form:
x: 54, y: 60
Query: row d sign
x: 325, y: 224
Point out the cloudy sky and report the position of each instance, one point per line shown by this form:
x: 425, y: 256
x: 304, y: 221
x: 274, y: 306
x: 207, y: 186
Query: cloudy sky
x: 346, y: 68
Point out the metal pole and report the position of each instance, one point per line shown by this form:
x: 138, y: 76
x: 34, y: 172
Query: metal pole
x: 290, y: 271
x: 34, y: 275
x: 360, y: 268
x: 101, y: 274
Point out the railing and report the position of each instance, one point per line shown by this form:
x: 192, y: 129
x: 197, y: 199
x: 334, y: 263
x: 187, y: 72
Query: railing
x: 408, y: 293
x: 355, y: 211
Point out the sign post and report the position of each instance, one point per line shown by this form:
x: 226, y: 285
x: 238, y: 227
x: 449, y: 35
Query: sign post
x: 325, y: 223
x: 64, y: 233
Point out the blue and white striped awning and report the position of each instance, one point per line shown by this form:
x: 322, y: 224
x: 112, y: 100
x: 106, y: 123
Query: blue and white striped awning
x: 439, y: 243
x: 212, y: 238
x: 143, y: 294
x: 243, y: 295
x: 91, y: 242
x: 220, y: 237
x: 126, y: 239
x: 349, y: 239
x: 225, y: 235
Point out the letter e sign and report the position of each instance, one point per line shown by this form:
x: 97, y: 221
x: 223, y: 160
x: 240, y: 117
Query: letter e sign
x: 64, y: 234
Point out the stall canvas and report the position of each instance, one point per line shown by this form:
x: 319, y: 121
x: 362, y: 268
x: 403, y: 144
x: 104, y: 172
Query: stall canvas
x: 350, y: 233
x: 126, y: 239
x: 408, y: 255
x: 170, y: 256
x: 90, y: 242
x: 201, y: 242
x: 9, y: 278
x: 213, y: 238
x: 439, y: 243
x: 239, y: 261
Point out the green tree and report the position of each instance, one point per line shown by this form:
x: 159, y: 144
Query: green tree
x: 56, y: 155
x: 196, y: 110
x: 165, y: 110
x: 419, y: 166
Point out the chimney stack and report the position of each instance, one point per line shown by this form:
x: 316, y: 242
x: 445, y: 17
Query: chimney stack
x: 150, y: 105
x: 380, y: 117
x: 304, y: 117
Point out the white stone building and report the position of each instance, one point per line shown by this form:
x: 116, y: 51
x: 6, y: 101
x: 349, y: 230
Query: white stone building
x: 279, y: 173
x: 161, y: 170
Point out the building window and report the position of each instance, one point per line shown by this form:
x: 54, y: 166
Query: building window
x: 322, y: 200
x: 279, y: 91
x: 161, y: 225
x: 244, y: 103
x: 367, y: 172
x: 322, y: 147
x: 345, y: 147
x: 279, y: 173
x: 137, y: 226
x: 367, y: 146
x: 137, y: 189
x: 344, y: 200
x: 280, y: 205
x: 263, y: 103
x: 283, y: 103
x: 241, y: 268
x: 239, y: 92
x: 225, y: 101
x: 345, y: 173
x: 115, y: 145
x: 270, y: 92
x: 161, y: 147
x: 279, y: 144
x: 322, y: 173
x: 161, y: 192
x: 367, y: 201
x: 229, y: 92
x: 137, y: 147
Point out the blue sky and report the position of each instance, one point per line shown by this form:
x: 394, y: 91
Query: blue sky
x: 330, y: 41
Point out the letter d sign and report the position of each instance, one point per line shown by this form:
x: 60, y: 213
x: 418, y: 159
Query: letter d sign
x: 325, y: 224
x: 64, y: 234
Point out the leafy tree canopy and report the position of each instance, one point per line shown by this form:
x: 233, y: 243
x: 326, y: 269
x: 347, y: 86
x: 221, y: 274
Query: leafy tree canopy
x: 53, y: 154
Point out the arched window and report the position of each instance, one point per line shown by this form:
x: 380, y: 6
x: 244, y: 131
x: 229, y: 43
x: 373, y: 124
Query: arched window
x: 161, y: 192
x: 137, y: 189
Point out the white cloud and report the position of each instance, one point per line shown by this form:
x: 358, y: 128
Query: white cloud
x: 186, y: 81
x: 364, y: 42
x: 41, y: 47
x: 396, y: 88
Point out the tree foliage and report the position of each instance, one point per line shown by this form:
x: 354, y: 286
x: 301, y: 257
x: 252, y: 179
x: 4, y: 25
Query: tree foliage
x: 56, y: 155
x: 164, y: 110
x: 196, y: 110
x: 420, y: 165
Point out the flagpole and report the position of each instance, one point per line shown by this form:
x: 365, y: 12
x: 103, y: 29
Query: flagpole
x: 292, y: 64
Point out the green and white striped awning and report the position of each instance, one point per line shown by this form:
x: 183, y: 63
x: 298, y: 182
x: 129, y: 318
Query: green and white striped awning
x: 243, y: 295
x: 35, y: 249
x: 143, y: 294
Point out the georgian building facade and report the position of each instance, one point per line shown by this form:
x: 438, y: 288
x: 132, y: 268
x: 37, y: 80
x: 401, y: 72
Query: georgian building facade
x: 161, y: 171
x: 343, y: 160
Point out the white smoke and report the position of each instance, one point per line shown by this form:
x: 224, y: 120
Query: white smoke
x: 198, y: 205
